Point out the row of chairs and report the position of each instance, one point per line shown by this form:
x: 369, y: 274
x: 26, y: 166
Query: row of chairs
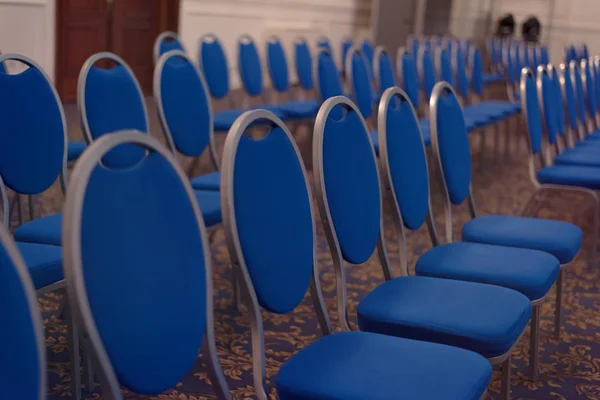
x: 470, y: 300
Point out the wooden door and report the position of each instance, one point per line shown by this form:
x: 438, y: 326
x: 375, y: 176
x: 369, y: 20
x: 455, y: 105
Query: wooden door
x: 82, y: 30
x: 135, y: 26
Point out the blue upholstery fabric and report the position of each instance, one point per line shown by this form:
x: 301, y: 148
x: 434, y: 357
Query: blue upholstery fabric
x: 571, y: 175
x: 278, y: 66
x: 222, y: 121
x: 44, y: 263
x: 46, y: 230
x: 407, y: 164
x: 414, y: 47
x: 304, y: 69
x: 561, y: 239
x: 213, y: 61
x: 592, y: 103
x: 462, y: 79
x: 274, y: 220
x: 19, y: 361
x: 583, y: 156
x: 454, y: 147
x: 425, y: 132
x: 531, y: 272
x: 559, y: 110
x: 492, y: 78
x: 544, y: 56
x: 210, y: 181
x: 32, y: 137
x: 362, y: 93
x: 114, y: 103
x: 166, y: 46
x: 186, y: 106
x: 534, y: 115
x: 387, y: 76
x: 410, y: 79
x: 210, y: 206
x: 581, y: 106
x: 551, y: 106
x: 346, y: 45
x: 483, y: 318
x: 358, y: 366
x: 446, y: 68
x: 324, y: 43
x: 250, y: 68
x: 138, y: 239
x: 351, y: 185
x: 74, y: 150
x: 300, y: 109
x: 368, y: 52
x: 329, y: 81
x: 428, y: 74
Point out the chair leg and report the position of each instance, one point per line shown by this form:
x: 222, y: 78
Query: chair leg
x: 235, y: 283
x: 505, y: 380
x: 534, y: 342
x: 558, y: 311
x: 74, y: 354
x: 88, y: 371
x: 482, y: 149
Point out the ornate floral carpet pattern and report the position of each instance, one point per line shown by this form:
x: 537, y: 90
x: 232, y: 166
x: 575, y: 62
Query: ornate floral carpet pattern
x: 569, y: 368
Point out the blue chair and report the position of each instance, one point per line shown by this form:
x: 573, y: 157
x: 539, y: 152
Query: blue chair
x: 494, y: 50
x: 213, y: 63
x: 185, y: 113
x: 324, y: 43
x: 405, y: 171
x: 561, y: 239
x: 279, y: 73
x: 347, y: 43
x: 117, y: 231
x: 427, y: 72
x: 110, y: 101
x: 23, y: 360
x: 268, y: 197
x: 304, y: 64
x: 326, y: 76
x: 166, y: 42
x: 251, y: 75
x: 383, y: 69
x: 350, y: 204
x: 368, y: 51
x: 359, y: 81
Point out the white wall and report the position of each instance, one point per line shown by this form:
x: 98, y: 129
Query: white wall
x: 569, y: 21
x: 28, y: 27
x: 229, y: 19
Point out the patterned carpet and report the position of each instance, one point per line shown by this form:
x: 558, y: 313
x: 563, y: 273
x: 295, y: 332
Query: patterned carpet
x: 569, y: 368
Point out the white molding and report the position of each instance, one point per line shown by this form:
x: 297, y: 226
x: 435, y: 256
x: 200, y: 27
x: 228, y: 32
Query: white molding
x: 38, y: 3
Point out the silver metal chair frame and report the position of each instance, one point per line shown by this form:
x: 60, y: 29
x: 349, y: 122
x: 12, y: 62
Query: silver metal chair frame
x: 161, y: 38
x: 32, y: 300
x: 74, y: 269
x: 240, y: 127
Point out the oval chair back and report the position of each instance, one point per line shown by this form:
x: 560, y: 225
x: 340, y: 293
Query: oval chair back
x: 269, y: 226
x: 443, y: 66
x: 277, y: 65
x: 326, y: 76
x: 383, y: 70
x: 324, y: 43
x: 304, y: 63
x: 359, y: 82
x: 544, y: 56
x: 408, y: 77
x: 533, y: 115
x: 461, y: 75
x: 123, y: 245
x: 344, y: 160
x: 476, y: 66
x: 576, y: 77
x: 183, y: 105
x: 213, y: 62
x: 111, y: 100
x: 548, y: 102
x: 250, y: 66
x: 450, y: 143
x: 403, y: 162
x: 368, y: 51
x: 33, y: 138
x: 166, y: 42
x: 561, y: 123
x: 347, y: 43
x: 568, y: 96
x: 413, y: 45
x: 427, y: 73
x: 23, y: 360
x: 589, y: 87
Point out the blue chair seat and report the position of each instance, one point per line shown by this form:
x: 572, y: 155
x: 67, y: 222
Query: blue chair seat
x: 222, y: 121
x: 300, y: 109
x: 561, y: 239
x: 74, y: 150
x: 483, y: 318
x: 47, y: 230
x: 359, y: 365
x: 531, y: 272
x: 571, y: 175
x: 44, y: 263
x: 582, y: 156
x: 210, y: 181
x: 210, y: 205
x: 487, y: 79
